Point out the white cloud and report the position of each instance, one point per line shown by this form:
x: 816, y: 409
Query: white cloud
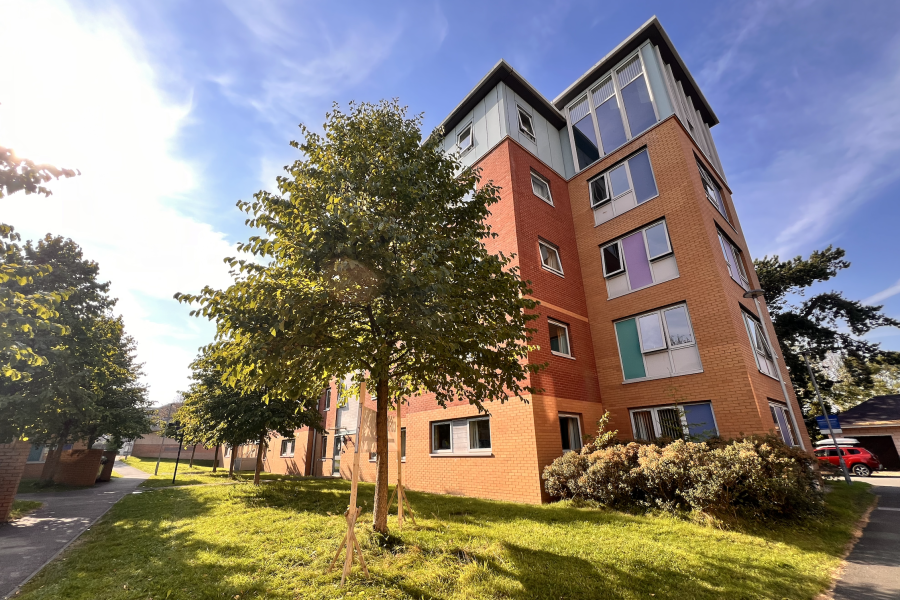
x: 883, y: 295
x: 78, y: 92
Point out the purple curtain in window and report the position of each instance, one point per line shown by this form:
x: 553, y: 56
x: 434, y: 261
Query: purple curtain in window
x: 636, y: 261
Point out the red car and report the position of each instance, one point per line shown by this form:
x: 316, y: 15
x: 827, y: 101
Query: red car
x: 859, y: 461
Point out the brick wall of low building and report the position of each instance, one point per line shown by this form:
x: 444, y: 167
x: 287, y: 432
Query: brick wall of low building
x: 148, y: 446
x: 298, y: 463
x: 78, y: 467
x: 12, y: 463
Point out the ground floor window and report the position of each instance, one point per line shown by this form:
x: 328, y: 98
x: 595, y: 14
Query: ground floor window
x: 373, y: 456
x: 694, y: 422
x: 324, y: 447
x: 287, y: 447
x: 781, y: 416
x: 570, y: 431
x: 38, y: 453
x: 403, y: 442
x: 227, y: 452
x: 460, y: 436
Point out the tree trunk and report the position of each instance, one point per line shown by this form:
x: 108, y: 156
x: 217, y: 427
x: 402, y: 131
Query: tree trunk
x: 193, y: 452
x: 216, y: 458
x: 231, y: 465
x: 259, y: 458
x: 380, y: 512
x: 51, y: 466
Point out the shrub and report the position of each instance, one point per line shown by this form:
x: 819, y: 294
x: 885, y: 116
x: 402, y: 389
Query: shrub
x: 756, y: 477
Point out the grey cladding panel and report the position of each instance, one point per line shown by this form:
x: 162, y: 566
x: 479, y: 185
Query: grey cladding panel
x: 479, y: 130
x: 543, y: 139
x: 493, y: 117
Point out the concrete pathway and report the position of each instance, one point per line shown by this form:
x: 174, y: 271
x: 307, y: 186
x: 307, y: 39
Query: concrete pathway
x: 29, y: 543
x: 873, y: 566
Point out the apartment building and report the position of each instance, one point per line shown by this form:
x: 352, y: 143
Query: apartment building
x: 618, y: 209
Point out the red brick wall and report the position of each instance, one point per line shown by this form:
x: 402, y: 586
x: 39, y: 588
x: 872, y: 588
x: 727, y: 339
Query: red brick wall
x: 12, y: 463
x: 730, y: 378
x: 110, y: 455
x: 298, y: 463
x: 78, y: 467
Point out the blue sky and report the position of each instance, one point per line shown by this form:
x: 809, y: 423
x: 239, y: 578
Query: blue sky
x: 175, y: 110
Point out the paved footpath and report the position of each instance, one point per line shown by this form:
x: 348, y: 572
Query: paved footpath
x: 873, y: 566
x: 27, y: 544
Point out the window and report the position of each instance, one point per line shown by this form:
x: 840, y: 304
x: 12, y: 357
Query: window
x: 583, y: 136
x: 459, y: 437
x: 324, y: 447
x: 658, y: 344
x: 559, y: 338
x: 636, y: 96
x: 623, y: 107
x: 287, y: 447
x: 373, y: 456
x: 781, y: 416
x: 480, y: 434
x: 735, y: 261
x: 694, y: 422
x: 526, y: 125
x: 765, y: 358
x: 38, y: 453
x: 441, y: 440
x: 227, y: 453
x: 403, y: 443
x: 638, y: 260
x: 327, y: 399
x: 541, y: 188
x: 609, y: 116
x: 625, y: 186
x: 713, y: 192
x: 570, y: 432
x: 464, y: 138
x: 550, y: 257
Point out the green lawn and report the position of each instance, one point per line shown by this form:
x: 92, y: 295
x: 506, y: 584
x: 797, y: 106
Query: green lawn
x: 275, y: 541
x: 20, y: 508
x: 200, y: 473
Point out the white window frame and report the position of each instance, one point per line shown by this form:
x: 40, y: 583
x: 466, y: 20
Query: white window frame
x: 324, y: 455
x: 226, y: 452
x: 490, y: 430
x: 624, y: 269
x: 327, y: 400
x: 373, y: 456
x: 707, y: 178
x: 609, y: 192
x: 531, y: 135
x: 657, y: 425
x: 668, y: 349
x: 773, y: 406
x: 434, y: 437
x: 545, y: 181
x: 555, y: 250
x: 568, y: 338
x: 471, y: 137
x: 402, y: 448
x: 292, y: 442
x: 733, y: 255
x: 612, y: 73
x: 580, y: 435
x: 757, y: 334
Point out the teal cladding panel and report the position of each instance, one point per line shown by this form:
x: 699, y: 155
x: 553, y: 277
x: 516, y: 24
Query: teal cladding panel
x: 630, y: 349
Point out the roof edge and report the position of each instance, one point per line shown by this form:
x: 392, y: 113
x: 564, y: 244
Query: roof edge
x: 654, y: 31
x: 503, y: 72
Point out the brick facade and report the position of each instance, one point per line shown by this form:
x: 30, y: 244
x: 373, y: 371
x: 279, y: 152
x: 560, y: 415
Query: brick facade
x: 12, y: 463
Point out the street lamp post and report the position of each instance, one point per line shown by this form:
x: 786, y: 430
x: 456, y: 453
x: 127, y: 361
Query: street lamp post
x: 837, y: 448
x: 755, y: 295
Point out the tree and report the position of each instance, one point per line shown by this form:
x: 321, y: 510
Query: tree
x: 21, y: 314
x: 373, y: 264
x: 857, y: 381
x: 215, y: 412
x: 89, y: 388
x: 824, y: 324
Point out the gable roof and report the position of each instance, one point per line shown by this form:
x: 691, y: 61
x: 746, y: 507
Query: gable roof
x: 502, y: 71
x: 880, y: 409
x: 651, y: 30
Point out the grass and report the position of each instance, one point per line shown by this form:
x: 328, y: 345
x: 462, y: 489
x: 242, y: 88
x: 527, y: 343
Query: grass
x: 200, y: 473
x: 275, y: 541
x: 20, y: 508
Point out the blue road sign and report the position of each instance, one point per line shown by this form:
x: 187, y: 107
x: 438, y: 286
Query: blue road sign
x: 823, y: 426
